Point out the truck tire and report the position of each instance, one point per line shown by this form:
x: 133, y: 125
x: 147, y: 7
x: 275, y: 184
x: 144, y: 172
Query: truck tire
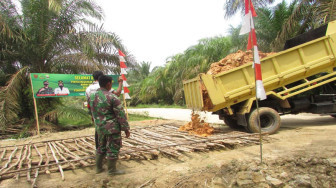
x: 231, y: 122
x: 269, y: 120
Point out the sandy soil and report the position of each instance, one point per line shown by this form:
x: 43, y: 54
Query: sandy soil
x: 301, y: 136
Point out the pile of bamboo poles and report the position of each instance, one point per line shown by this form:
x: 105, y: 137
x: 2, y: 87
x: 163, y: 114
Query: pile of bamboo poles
x: 30, y: 160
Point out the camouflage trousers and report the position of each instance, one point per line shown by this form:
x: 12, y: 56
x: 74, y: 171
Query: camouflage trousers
x: 109, y: 145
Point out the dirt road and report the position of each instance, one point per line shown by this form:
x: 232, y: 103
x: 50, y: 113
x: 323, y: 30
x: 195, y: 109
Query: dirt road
x: 301, y: 154
x: 175, y: 114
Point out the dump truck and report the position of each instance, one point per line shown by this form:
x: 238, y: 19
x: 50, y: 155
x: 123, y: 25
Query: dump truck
x: 301, y: 78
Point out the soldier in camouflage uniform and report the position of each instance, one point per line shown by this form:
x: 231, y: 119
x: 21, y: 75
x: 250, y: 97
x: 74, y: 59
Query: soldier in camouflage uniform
x: 110, y: 120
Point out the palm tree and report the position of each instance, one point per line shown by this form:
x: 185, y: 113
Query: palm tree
x: 231, y: 7
x: 164, y: 84
x: 135, y: 78
x: 55, y: 36
x: 307, y: 14
x: 269, y: 24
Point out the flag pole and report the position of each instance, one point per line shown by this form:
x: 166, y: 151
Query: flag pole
x: 254, y: 43
x: 35, y: 107
x: 125, y: 106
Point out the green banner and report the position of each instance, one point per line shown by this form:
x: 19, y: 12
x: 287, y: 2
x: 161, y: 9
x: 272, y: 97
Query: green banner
x: 63, y: 85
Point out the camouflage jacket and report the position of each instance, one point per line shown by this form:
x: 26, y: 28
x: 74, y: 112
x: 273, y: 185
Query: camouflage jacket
x: 107, y: 112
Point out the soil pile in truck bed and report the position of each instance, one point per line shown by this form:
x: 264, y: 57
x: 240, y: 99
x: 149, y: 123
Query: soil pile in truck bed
x: 234, y: 60
x: 197, y: 126
x: 231, y: 61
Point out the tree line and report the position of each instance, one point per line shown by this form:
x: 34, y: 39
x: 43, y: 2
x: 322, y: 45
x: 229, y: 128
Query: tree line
x: 59, y: 36
x: 274, y: 25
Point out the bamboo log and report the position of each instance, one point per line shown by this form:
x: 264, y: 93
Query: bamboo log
x: 88, y: 144
x: 21, y: 161
x: 15, y: 164
x: 59, y: 166
x: 75, y: 148
x: 59, y: 154
x: 83, y: 148
x: 59, y: 163
x: 3, y: 154
x: 71, y: 154
x: 48, y: 159
x: 91, y: 138
x: 39, y: 164
x: 29, y: 162
x: 9, y: 160
x: 46, y: 141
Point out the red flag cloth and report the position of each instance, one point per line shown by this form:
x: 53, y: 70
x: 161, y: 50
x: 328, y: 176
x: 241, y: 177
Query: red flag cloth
x: 258, y: 71
x: 248, y: 27
x: 121, y: 54
x: 126, y: 90
x: 254, y: 14
x: 252, y: 40
x: 123, y: 77
x: 123, y: 65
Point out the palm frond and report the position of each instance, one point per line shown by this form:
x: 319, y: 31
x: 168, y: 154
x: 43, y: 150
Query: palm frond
x: 231, y: 7
x: 10, y: 97
x: 66, y: 112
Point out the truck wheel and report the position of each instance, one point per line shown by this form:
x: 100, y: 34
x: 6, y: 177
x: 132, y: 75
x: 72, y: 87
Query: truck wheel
x: 269, y: 120
x: 232, y: 123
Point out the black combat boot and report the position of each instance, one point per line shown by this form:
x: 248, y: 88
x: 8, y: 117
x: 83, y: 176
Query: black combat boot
x: 99, y: 163
x: 112, y: 169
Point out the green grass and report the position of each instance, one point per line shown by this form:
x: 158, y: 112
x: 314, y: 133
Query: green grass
x: 136, y: 117
x: 74, y: 122
x: 156, y: 106
x: 68, y: 122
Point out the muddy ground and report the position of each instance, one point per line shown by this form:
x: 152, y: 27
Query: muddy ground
x: 301, y: 154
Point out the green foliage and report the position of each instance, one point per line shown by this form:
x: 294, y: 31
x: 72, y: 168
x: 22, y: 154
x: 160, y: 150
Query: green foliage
x: 12, y: 97
x: 51, y: 36
x: 231, y: 7
x: 269, y: 24
x: 137, y: 117
x: 164, y: 84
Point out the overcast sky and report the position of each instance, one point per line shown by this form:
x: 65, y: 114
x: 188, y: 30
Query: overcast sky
x: 153, y: 30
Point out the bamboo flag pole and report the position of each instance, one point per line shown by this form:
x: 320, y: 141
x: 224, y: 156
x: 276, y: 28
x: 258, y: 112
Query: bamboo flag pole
x: 248, y: 27
x: 35, y: 107
x: 125, y: 106
x: 125, y: 85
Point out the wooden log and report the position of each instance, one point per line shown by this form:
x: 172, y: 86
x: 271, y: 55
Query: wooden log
x: 92, y: 139
x: 88, y: 144
x: 15, y: 164
x: 9, y: 159
x: 29, y: 162
x: 71, y: 154
x: 75, y: 148
x: 48, y: 159
x: 59, y: 154
x: 155, y: 134
x: 83, y: 148
x: 59, y: 166
x: 3, y: 154
x: 21, y: 161
x: 39, y: 164
x: 59, y: 163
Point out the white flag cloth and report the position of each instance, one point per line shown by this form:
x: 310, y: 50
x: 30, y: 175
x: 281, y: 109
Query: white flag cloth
x: 261, y: 94
x: 246, y: 27
x: 123, y: 71
x: 125, y: 84
x: 122, y: 59
x: 127, y: 96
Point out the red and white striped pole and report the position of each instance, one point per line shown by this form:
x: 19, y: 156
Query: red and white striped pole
x: 123, y: 73
x: 248, y: 27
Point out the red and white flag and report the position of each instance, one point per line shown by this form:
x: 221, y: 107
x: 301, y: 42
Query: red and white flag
x: 248, y: 27
x: 123, y: 73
